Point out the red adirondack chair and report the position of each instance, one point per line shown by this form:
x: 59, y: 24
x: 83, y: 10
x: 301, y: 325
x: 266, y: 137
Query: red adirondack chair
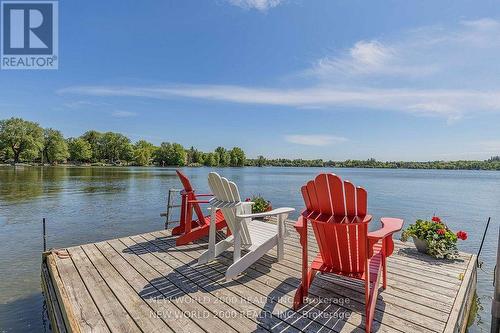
x: 337, y: 211
x: 191, y: 229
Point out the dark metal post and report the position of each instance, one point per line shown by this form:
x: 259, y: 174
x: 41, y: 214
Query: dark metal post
x: 495, y: 306
x: 44, y: 236
x: 482, y: 240
x: 167, y: 218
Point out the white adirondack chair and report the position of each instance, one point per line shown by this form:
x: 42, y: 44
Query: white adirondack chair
x: 248, y: 233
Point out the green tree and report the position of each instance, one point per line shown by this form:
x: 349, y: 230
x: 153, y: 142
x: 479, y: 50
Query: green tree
x: 80, y: 150
x: 189, y: 155
x: 55, y: 148
x: 179, y: 155
x: 162, y: 155
x: 5, y: 153
x: 94, y: 139
x: 170, y: 154
x: 224, y: 156
x: 30, y: 155
x: 115, y: 147
x: 211, y: 159
x: 143, y: 152
x: 237, y: 157
x: 19, y: 136
x: 261, y: 161
x: 198, y: 157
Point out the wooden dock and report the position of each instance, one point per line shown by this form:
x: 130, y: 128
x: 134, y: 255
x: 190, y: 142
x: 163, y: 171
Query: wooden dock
x: 144, y: 283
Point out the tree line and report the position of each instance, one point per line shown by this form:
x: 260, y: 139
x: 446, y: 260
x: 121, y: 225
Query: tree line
x: 27, y: 141
x: 491, y: 164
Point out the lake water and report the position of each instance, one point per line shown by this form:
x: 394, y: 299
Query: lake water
x: 85, y: 205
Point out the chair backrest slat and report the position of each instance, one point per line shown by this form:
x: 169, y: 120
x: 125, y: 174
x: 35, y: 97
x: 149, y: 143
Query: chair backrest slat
x: 335, y: 209
x: 350, y: 198
x: 227, y: 191
x: 361, y: 199
x: 336, y: 194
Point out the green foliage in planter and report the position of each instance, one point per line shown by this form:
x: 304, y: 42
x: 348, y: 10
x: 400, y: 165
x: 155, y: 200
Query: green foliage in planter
x: 441, y: 241
x: 260, y: 204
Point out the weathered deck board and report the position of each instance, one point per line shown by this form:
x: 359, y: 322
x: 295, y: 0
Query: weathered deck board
x: 144, y: 283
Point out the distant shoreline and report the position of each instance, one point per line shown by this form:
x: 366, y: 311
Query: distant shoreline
x: 417, y: 166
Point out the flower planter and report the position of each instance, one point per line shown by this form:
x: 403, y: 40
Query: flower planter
x: 420, y: 244
x: 434, y: 238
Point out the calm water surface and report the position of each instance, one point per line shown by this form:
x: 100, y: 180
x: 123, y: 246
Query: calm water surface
x: 92, y: 204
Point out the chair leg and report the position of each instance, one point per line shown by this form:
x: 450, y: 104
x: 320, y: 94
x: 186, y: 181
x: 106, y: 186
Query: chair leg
x: 371, y: 293
x: 299, y: 297
x: 303, y: 289
x: 384, y: 272
x: 281, y: 236
x: 248, y: 259
x: 368, y: 322
x: 386, y: 244
x: 310, y: 278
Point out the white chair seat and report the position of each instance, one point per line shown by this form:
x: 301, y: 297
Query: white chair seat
x: 261, y: 232
x: 248, y: 233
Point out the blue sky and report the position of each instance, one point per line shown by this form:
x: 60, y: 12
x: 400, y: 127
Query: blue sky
x: 393, y: 80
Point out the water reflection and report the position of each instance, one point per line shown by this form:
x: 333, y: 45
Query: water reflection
x: 19, y: 184
x: 27, y: 183
x: 26, y: 314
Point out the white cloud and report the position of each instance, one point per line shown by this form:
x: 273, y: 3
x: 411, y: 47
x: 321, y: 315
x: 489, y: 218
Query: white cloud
x: 123, y: 114
x: 314, y: 140
x: 483, y: 23
x: 364, y: 57
x: 433, y: 71
x: 83, y: 104
x: 426, y: 56
x: 446, y: 103
x: 262, y: 5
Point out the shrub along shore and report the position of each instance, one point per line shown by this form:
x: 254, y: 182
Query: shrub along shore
x: 25, y: 142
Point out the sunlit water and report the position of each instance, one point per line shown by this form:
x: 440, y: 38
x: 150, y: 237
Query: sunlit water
x: 85, y: 205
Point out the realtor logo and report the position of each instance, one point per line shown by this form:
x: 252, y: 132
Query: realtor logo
x: 29, y: 31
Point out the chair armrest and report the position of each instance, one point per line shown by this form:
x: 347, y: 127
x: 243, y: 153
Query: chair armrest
x: 198, y: 201
x: 274, y: 212
x: 203, y: 195
x: 390, y: 225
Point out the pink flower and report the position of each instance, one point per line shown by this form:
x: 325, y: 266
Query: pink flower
x: 441, y: 231
x: 248, y: 199
x: 436, y: 219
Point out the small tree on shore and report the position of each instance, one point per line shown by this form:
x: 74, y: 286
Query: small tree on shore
x: 224, y: 156
x: 143, y: 152
x: 20, y: 136
x: 170, y: 154
x: 115, y: 147
x: 94, y: 140
x: 79, y: 150
x: 55, y: 148
x: 237, y: 157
